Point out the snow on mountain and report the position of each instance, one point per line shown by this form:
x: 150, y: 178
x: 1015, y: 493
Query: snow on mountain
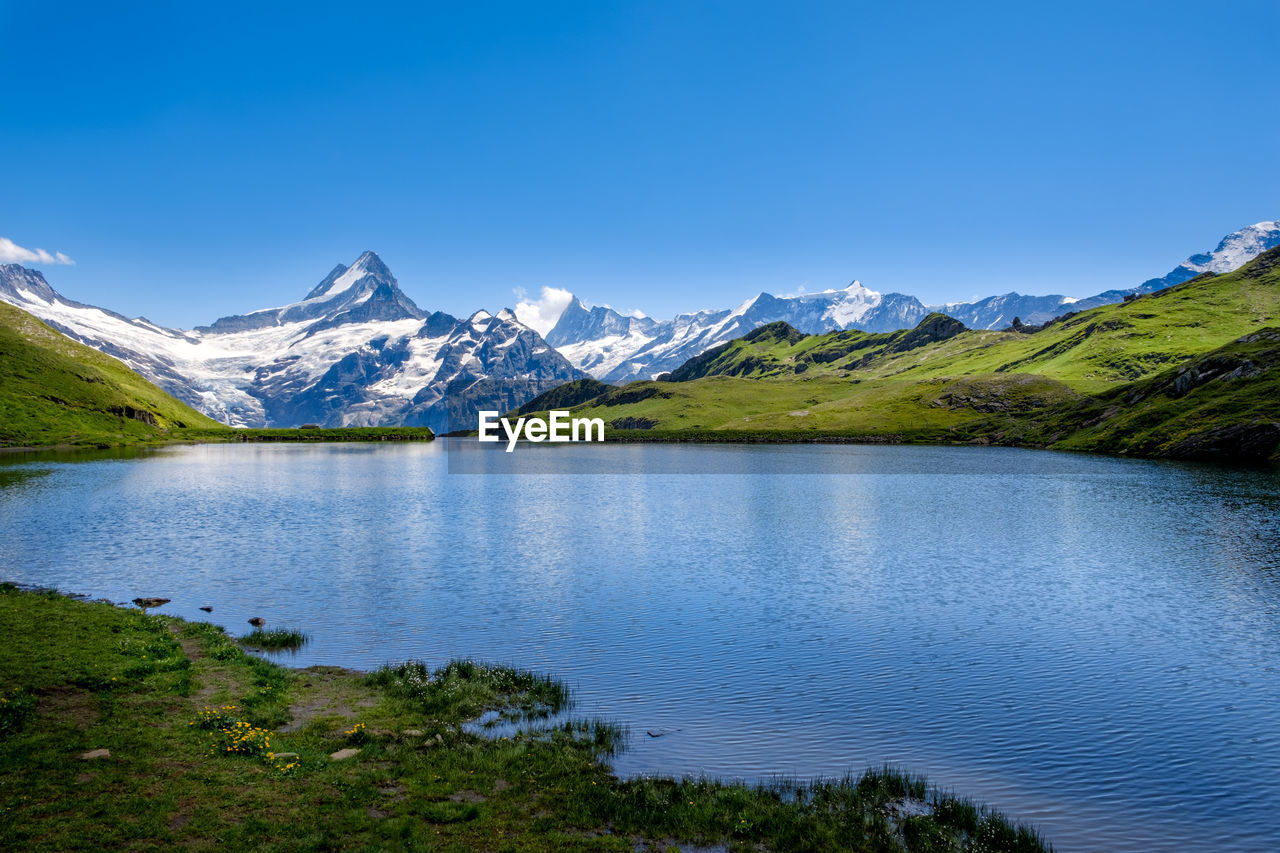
x: 1234, y: 251
x: 615, y: 347
x: 997, y: 312
x: 597, y: 340
x: 356, y: 351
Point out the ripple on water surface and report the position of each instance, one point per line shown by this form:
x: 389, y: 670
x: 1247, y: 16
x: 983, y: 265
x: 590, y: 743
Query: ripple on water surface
x: 1089, y: 644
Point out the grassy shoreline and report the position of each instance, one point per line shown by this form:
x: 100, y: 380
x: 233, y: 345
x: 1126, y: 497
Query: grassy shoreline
x: 213, y: 748
x: 320, y: 434
x: 234, y: 436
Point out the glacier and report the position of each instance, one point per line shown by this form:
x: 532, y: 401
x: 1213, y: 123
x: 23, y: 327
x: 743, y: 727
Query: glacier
x: 356, y: 351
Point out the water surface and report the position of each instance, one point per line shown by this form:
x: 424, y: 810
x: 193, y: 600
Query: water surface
x: 1089, y: 644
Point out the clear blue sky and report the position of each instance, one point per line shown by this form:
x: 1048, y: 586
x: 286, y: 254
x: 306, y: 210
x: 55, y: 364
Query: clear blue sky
x: 200, y: 160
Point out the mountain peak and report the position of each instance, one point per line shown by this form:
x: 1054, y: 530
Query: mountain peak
x: 372, y: 264
x: 1240, y: 247
x: 363, y: 292
x: 1234, y: 251
x: 746, y: 306
x: 15, y: 277
x: 858, y: 290
x: 341, y: 277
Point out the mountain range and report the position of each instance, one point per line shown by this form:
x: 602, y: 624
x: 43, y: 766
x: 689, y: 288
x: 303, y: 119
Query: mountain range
x: 616, y: 348
x: 357, y: 351
x: 1190, y: 370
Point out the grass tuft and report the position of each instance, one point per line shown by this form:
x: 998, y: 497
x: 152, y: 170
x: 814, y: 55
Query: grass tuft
x: 471, y: 688
x: 275, y: 639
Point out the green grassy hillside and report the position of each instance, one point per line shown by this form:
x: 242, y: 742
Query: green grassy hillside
x: 563, y: 396
x: 54, y: 390
x: 1105, y: 379
x: 1223, y: 404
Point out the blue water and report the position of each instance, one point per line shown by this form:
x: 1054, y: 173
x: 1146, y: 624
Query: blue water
x: 1089, y: 644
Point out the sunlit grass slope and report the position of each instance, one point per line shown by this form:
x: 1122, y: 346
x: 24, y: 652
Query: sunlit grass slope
x: 54, y: 390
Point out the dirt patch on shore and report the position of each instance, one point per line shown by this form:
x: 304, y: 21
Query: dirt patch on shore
x: 182, y: 814
x: 70, y: 706
x: 190, y: 645
x: 327, y: 692
x: 212, y: 679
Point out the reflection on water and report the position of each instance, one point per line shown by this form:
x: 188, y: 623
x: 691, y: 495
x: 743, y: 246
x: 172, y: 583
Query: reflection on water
x: 1087, y: 643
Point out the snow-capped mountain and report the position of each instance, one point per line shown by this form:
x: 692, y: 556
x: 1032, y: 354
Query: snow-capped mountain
x: 355, y: 352
x: 1235, y: 250
x: 997, y: 312
x: 363, y: 292
x: 616, y: 348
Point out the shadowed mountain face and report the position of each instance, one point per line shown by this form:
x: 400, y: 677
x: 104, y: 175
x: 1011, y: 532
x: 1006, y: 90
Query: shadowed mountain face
x: 356, y: 351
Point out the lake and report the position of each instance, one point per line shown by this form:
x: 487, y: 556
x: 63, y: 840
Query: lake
x: 1088, y: 644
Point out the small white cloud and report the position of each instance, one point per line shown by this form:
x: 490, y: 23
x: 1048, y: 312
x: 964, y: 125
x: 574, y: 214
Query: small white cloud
x: 12, y: 253
x: 637, y: 313
x: 541, y: 314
